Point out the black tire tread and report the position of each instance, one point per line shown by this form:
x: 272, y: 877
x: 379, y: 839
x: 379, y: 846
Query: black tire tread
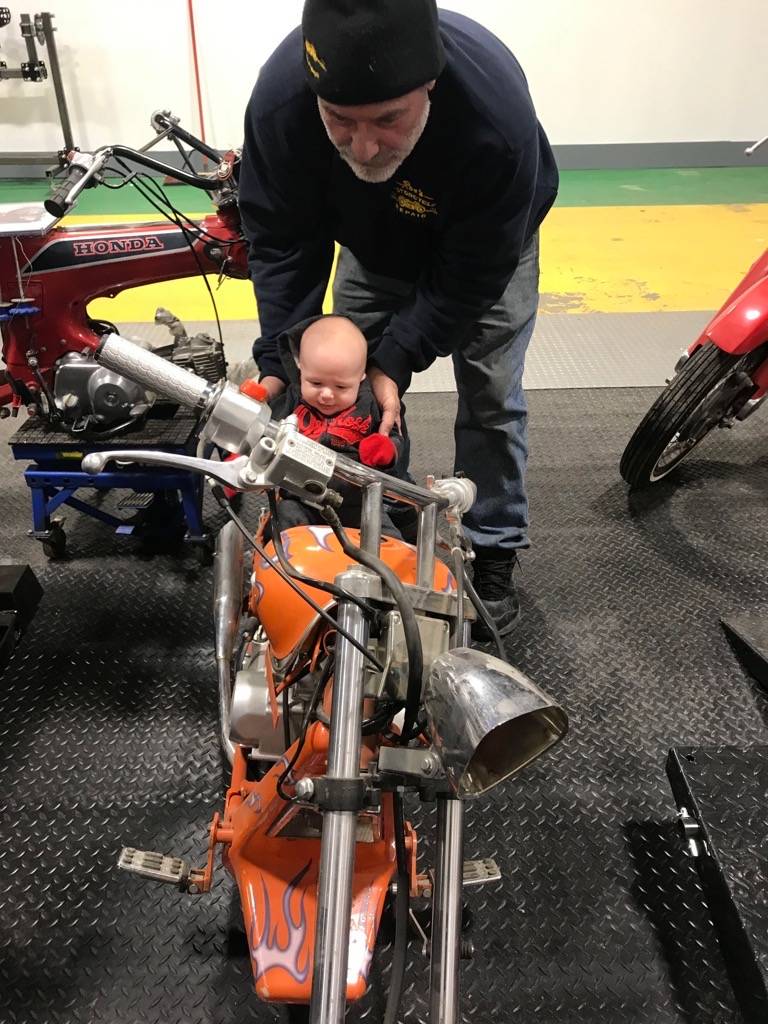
x: 697, y: 377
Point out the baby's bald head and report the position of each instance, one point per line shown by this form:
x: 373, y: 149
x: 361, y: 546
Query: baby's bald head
x: 332, y: 357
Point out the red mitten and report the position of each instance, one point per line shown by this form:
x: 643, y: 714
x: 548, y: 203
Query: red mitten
x: 377, y: 450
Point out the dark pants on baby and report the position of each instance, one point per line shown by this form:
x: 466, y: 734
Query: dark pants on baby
x: 491, y: 429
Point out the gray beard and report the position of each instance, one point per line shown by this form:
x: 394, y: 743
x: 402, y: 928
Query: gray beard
x: 375, y: 175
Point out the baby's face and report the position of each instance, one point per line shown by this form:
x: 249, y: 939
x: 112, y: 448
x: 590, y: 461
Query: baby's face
x: 330, y: 377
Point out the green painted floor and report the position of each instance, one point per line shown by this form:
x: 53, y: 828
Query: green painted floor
x: 665, y: 187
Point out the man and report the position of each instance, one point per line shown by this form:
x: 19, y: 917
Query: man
x: 409, y: 138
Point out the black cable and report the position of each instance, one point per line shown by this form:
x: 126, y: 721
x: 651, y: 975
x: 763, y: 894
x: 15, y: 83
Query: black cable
x: 330, y: 588
x: 184, y: 155
x: 484, y: 615
x: 286, y: 718
x: 221, y: 499
x: 372, y: 726
x: 149, y: 182
x: 402, y: 913
x: 125, y: 179
x: 162, y: 196
x: 187, y: 232
x: 407, y: 616
x: 120, y: 428
x: 144, y: 191
x: 317, y: 693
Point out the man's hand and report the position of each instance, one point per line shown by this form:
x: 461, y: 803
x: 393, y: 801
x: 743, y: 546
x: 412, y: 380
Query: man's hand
x: 385, y: 392
x: 274, y: 386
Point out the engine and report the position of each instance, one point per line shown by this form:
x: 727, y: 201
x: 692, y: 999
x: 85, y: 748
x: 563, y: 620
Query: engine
x: 89, y: 398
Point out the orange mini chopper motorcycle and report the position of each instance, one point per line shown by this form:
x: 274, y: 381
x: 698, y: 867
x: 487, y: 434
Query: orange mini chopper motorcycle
x: 346, y: 680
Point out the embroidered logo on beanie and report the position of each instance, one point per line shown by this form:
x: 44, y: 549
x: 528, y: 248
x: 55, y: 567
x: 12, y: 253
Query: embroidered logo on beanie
x: 315, y: 65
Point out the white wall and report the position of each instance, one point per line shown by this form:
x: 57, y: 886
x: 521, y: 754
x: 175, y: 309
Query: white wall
x: 601, y: 71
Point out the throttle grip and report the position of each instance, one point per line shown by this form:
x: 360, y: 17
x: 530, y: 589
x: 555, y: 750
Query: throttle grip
x: 153, y: 372
x: 56, y: 204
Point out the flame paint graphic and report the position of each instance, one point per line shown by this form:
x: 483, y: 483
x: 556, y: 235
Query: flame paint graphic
x: 269, y: 952
x: 321, y: 533
x: 361, y: 946
x: 285, y: 537
x: 450, y: 585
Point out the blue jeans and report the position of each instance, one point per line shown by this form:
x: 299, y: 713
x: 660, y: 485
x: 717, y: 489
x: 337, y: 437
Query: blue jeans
x: 491, y: 429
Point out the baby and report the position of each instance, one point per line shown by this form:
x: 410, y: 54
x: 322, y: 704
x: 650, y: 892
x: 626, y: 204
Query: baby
x: 334, y: 405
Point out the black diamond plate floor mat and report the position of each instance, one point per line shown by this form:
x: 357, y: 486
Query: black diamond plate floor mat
x: 108, y: 737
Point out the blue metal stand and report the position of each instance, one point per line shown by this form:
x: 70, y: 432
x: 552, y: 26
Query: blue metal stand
x: 52, y: 487
x: 54, y: 478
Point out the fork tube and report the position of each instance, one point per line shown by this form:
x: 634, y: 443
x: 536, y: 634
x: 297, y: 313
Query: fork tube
x: 425, y: 571
x: 446, y: 913
x: 370, y: 534
x: 337, y: 851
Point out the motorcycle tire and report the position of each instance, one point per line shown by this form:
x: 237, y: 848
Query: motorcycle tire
x: 688, y: 406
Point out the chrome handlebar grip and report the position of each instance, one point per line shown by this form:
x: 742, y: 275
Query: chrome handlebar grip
x: 154, y: 373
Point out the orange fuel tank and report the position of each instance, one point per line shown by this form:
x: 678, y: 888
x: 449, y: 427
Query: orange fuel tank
x: 315, y: 551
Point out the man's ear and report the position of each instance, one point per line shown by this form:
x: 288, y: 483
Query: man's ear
x: 431, y: 85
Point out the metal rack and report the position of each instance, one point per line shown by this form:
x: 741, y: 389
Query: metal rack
x: 37, y: 30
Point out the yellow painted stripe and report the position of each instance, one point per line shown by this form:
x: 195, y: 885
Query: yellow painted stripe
x: 645, y: 259
x: 600, y: 259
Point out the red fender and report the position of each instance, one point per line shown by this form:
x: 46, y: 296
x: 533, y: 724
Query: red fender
x: 742, y: 325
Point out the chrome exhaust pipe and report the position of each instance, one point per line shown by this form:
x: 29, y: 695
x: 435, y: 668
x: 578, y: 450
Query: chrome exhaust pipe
x: 487, y: 720
x: 227, y: 607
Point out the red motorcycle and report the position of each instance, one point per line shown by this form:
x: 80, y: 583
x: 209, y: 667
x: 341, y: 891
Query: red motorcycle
x: 721, y: 378
x: 49, y: 275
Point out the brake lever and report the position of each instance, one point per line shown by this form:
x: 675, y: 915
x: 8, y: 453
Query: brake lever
x: 227, y: 473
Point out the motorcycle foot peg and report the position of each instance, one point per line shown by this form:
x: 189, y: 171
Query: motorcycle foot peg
x: 137, y: 500
x: 480, y: 872
x: 157, y: 866
x: 474, y: 873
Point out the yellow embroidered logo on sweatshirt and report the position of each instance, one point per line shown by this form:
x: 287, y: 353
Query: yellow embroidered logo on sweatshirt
x: 412, y: 202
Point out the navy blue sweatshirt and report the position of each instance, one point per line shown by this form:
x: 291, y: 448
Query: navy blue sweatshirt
x: 453, y: 219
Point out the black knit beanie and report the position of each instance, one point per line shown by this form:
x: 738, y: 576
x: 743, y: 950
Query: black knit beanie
x: 366, y: 51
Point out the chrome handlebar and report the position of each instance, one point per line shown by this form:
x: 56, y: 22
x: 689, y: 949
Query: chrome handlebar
x: 271, y: 453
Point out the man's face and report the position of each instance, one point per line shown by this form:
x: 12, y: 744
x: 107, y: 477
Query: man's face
x: 375, y: 138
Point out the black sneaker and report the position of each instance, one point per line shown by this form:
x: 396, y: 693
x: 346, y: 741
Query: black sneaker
x: 495, y: 587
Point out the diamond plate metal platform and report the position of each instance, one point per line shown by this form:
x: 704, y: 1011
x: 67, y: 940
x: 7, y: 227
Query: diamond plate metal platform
x: 108, y: 738
x: 169, y: 426
x: 723, y: 794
